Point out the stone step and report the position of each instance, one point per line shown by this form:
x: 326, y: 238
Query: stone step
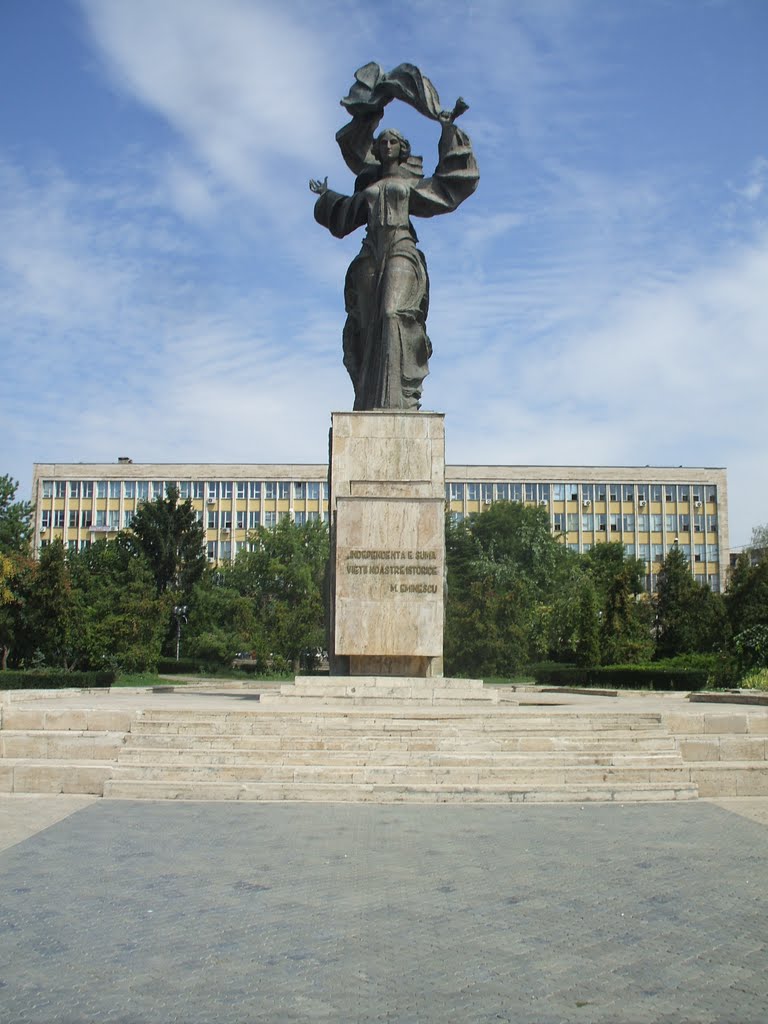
x: 50, y: 743
x: 66, y: 719
x: 729, y: 778
x: 293, y: 724
x: 412, y: 758
x: 314, y: 792
x: 54, y: 775
x: 724, y: 748
x: 405, y: 775
x: 394, y: 742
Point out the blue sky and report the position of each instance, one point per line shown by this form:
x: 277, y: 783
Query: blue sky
x: 166, y: 294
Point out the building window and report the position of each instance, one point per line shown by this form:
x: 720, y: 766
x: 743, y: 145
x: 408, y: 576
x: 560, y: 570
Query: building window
x: 657, y: 550
x: 254, y: 520
x: 58, y: 518
x: 198, y: 489
x: 629, y: 523
x: 486, y: 493
x: 213, y: 519
x: 572, y: 520
x: 530, y: 492
x: 457, y: 492
x: 683, y: 492
x: 515, y: 492
x: 629, y: 550
x: 45, y: 518
x: 284, y: 491
x: 226, y: 520
x: 313, y: 490
x: 644, y: 552
x: 114, y: 489
x: 127, y: 518
x: 614, y: 522
x: 86, y: 519
x: 698, y: 495
x: 713, y: 553
x: 670, y: 492
x: 573, y: 492
x: 712, y: 524
x: 613, y: 492
x: 558, y: 492
x: 544, y: 492
x: 142, y: 490
x: 559, y: 522
x: 586, y: 547
x: 254, y: 489
x: 240, y: 519
x: 226, y: 550
x: 502, y: 492
x: 73, y: 519
x: 157, y: 489
x: 473, y: 492
x: 313, y: 517
x: 655, y: 492
x: 84, y: 545
x: 686, y: 549
x: 270, y: 520
x: 101, y: 488
x: 211, y: 549
x: 47, y: 488
x: 74, y: 488
x: 114, y: 519
x: 241, y: 490
x: 587, y: 522
x: 599, y: 492
x: 71, y: 545
x: 629, y: 492
x: 714, y: 582
x: 226, y: 490
x: 199, y: 515
x: 240, y: 545
x: 656, y: 521
x: 643, y: 522
x: 698, y: 524
x: 270, y: 490
x: 60, y: 489
x: 699, y: 552
x: 574, y: 546
x: 300, y: 518
x: 212, y: 492
x: 711, y: 492
x: 101, y: 517
x: 642, y: 492
x: 670, y: 521
x: 299, y: 491
x: 587, y: 492
x: 601, y: 522
x: 684, y: 522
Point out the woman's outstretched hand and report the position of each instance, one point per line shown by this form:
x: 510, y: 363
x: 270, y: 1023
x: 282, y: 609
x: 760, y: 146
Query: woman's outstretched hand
x: 320, y: 187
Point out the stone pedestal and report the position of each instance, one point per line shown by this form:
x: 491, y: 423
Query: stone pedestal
x: 387, y: 499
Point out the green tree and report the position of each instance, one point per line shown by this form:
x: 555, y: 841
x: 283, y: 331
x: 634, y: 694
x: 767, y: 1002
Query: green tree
x: 746, y: 597
x: 50, y: 613
x: 119, y: 620
x: 625, y: 628
x: 689, y: 617
x: 587, y: 646
x: 15, y: 519
x: 168, y: 535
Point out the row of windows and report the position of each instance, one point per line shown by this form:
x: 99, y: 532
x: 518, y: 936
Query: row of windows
x: 211, y: 490
x: 542, y: 492
x: 628, y: 522
x: 110, y: 520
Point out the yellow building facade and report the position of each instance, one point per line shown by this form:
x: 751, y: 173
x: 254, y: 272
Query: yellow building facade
x: 649, y: 509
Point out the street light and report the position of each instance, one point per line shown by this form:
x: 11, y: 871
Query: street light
x: 180, y: 612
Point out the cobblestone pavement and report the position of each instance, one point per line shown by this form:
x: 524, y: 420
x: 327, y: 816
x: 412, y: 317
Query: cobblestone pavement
x: 148, y: 913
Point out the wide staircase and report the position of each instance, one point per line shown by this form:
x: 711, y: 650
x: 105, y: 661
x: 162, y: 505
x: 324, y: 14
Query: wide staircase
x: 357, y: 741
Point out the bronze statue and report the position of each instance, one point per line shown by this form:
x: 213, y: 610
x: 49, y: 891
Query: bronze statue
x: 386, y: 292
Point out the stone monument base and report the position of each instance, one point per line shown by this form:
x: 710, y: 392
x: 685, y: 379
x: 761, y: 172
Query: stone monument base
x: 387, y: 502
x: 384, y: 691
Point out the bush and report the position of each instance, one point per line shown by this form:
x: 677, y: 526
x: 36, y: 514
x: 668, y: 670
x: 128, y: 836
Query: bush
x: 624, y: 677
x: 757, y: 679
x: 187, y: 667
x: 55, y: 679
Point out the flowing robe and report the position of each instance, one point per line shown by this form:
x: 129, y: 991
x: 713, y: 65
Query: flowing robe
x: 386, y: 292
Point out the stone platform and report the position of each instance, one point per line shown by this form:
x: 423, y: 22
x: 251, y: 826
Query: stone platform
x: 312, y: 742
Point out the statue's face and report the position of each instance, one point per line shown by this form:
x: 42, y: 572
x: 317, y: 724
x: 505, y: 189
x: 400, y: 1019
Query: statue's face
x: 389, y: 147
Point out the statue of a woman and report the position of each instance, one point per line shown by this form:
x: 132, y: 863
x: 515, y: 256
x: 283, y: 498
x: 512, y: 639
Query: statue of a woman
x: 386, y: 292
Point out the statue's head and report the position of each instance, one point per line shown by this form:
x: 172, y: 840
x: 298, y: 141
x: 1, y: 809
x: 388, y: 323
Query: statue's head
x: 392, y: 133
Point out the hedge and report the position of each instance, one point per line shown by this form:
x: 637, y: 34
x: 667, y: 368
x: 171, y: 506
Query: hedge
x: 55, y: 680
x: 187, y: 667
x: 625, y: 677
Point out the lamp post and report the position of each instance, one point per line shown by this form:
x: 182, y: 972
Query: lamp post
x: 180, y: 612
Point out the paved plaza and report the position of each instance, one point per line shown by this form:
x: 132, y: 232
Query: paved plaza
x: 216, y: 913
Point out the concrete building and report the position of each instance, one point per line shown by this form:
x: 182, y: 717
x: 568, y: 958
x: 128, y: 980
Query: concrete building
x: 649, y: 509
